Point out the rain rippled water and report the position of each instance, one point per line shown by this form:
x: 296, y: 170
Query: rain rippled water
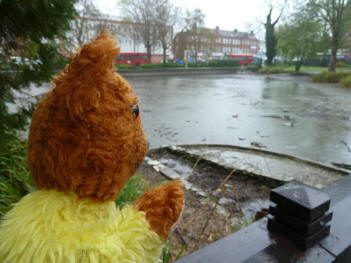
x: 281, y: 113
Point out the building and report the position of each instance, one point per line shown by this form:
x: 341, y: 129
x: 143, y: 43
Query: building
x: 129, y: 41
x: 216, y: 43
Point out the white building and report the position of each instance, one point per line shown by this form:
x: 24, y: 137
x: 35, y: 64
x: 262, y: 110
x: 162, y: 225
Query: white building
x: 129, y: 41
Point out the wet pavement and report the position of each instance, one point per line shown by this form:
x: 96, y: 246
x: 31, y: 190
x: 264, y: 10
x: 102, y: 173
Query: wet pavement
x: 266, y: 164
x: 281, y: 113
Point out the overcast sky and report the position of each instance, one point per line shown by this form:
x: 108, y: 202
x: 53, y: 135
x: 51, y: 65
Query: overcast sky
x: 243, y: 15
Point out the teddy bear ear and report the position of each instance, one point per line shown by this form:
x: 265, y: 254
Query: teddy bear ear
x: 98, y: 54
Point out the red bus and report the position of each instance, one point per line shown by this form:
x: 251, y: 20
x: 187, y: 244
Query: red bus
x: 133, y: 59
x: 244, y: 59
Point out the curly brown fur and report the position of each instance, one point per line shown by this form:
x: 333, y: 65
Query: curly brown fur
x: 84, y: 137
x: 163, y: 206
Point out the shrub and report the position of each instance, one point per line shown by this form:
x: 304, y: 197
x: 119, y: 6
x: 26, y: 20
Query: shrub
x: 340, y: 64
x: 271, y: 70
x: 330, y: 77
x: 134, y: 188
x: 15, y: 178
x: 198, y: 65
x: 173, y: 65
x: 347, y: 81
x: 161, y: 65
x: 223, y: 63
x: 124, y: 66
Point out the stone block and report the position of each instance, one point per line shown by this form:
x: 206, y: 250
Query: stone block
x: 299, y: 240
x: 301, y: 201
x: 303, y: 228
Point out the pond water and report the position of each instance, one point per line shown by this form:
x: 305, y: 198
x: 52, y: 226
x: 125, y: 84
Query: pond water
x: 280, y: 113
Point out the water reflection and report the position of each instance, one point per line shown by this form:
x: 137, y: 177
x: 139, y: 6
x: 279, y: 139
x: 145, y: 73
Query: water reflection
x: 284, y: 113
x: 231, y: 109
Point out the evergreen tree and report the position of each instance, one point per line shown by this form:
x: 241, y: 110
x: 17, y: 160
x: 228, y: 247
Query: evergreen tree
x: 271, y: 40
x: 29, y: 51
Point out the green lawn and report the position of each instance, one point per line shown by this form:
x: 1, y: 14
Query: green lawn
x: 305, y: 69
x: 310, y: 69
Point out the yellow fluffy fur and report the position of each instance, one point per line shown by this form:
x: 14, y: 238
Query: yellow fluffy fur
x: 51, y: 226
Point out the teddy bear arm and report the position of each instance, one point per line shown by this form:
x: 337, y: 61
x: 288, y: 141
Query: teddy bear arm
x: 163, y: 206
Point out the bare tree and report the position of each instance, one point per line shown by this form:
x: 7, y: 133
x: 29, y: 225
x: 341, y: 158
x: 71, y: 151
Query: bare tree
x: 142, y: 13
x: 79, y: 34
x: 166, y: 17
x: 88, y: 24
x: 194, y: 22
x: 335, y: 14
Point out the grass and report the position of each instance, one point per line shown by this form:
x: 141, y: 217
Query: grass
x: 304, y: 69
x: 291, y: 68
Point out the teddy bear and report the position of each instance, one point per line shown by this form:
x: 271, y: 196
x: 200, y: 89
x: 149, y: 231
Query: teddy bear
x: 85, y: 141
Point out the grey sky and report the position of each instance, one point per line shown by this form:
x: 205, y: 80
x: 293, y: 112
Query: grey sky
x: 243, y: 15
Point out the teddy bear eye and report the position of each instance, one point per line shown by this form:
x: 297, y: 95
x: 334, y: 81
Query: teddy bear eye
x: 135, y: 109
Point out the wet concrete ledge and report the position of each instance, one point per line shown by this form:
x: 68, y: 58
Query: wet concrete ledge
x: 315, y: 169
x: 275, y: 153
x: 179, y: 71
x: 255, y: 244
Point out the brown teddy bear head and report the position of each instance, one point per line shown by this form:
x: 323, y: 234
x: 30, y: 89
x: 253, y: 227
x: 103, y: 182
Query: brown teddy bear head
x: 86, y: 134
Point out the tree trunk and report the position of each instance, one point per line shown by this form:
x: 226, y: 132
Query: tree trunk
x: 164, y: 47
x: 332, y: 62
x: 298, y: 65
x: 148, y: 50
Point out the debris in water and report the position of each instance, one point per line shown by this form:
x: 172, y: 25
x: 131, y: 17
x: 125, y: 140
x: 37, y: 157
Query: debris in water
x: 289, y: 124
x: 273, y: 116
x: 286, y: 117
x: 346, y: 145
x: 258, y: 145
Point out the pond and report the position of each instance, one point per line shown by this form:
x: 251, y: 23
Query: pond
x: 280, y: 113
